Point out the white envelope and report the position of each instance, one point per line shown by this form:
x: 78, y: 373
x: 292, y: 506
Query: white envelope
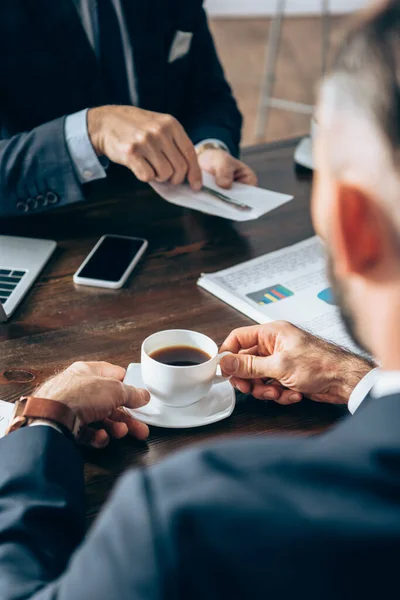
x: 180, y: 45
x: 261, y: 201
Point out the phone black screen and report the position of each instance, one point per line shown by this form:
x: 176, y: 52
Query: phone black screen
x: 111, y: 259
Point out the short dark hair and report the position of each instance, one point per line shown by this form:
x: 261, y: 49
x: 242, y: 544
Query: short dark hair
x: 370, y: 57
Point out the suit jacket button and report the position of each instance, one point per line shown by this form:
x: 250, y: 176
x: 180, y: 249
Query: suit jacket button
x: 31, y: 203
x: 41, y: 201
x: 52, y: 198
x: 22, y: 207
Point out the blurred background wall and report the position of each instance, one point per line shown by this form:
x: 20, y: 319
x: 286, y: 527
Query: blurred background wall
x: 241, y: 29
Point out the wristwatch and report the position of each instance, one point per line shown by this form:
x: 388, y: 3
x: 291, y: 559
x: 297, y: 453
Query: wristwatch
x: 29, y: 409
x: 209, y: 146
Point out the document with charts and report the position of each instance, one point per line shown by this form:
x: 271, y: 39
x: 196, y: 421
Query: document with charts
x: 289, y: 284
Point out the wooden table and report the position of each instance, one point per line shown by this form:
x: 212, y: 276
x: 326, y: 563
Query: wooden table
x: 59, y: 323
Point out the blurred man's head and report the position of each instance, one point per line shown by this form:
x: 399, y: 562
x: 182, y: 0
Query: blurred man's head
x: 356, y: 199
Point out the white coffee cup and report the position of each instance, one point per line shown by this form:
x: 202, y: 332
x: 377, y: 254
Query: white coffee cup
x: 174, y: 385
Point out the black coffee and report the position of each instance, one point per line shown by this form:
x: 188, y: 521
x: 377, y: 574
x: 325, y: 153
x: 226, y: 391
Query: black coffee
x: 180, y: 356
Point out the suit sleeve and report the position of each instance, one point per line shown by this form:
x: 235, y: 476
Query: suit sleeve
x: 42, y: 526
x: 41, y: 509
x: 210, y: 109
x: 261, y: 517
x: 36, y: 171
x: 255, y: 518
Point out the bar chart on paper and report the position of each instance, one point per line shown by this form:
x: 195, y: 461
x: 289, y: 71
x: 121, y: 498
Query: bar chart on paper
x: 270, y: 294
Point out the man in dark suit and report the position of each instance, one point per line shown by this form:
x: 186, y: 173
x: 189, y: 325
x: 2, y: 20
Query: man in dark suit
x: 85, y: 82
x: 254, y: 518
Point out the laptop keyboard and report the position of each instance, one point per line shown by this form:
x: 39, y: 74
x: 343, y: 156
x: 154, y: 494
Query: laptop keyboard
x: 9, y: 279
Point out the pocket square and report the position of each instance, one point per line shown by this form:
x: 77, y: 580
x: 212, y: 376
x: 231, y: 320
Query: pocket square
x: 180, y: 45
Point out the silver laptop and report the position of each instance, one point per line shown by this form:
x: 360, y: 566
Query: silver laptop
x: 21, y: 260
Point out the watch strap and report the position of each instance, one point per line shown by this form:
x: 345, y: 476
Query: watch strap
x: 210, y: 145
x: 30, y: 408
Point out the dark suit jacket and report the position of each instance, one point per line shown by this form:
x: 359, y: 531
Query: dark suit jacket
x: 49, y: 70
x: 315, y: 518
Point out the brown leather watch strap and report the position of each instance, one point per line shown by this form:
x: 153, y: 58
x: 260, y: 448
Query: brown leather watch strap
x: 29, y: 408
x: 43, y: 408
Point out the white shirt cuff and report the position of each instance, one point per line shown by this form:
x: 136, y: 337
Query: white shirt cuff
x: 46, y: 424
x: 362, y: 390
x: 87, y: 164
x: 213, y: 141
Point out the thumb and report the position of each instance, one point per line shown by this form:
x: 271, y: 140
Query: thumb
x: 224, y: 174
x: 135, y: 397
x: 248, y: 366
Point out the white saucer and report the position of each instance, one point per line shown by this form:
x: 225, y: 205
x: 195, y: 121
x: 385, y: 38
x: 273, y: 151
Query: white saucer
x: 217, y: 405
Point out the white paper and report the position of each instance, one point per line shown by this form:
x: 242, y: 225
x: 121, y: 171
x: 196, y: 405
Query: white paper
x: 261, y: 201
x: 6, y: 411
x: 298, y: 274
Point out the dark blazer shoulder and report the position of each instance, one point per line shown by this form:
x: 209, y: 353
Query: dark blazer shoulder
x: 265, y: 510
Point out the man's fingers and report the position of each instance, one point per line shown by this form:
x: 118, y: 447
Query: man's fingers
x: 134, y: 397
x: 274, y: 392
x: 252, y: 350
x: 194, y: 175
x: 246, y: 386
x: 187, y: 150
x: 243, y: 385
x: 241, y: 339
x: 225, y: 173
x: 97, y: 438
x: 248, y: 178
x: 138, y: 430
x: 120, y: 394
x: 277, y: 393
x: 246, y: 175
x: 141, y: 168
x: 160, y: 163
x: 135, y: 428
x: 115, y: 429
x: 289, y: 397
x: 220, y: 164
x: 267, y: 392
x: 178, y: 162
x: 247, y: 366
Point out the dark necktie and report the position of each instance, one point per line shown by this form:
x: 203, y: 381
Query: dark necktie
x: 112, y: 57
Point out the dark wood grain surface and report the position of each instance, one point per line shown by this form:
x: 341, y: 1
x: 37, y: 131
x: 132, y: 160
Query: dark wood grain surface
x: 59, y: 322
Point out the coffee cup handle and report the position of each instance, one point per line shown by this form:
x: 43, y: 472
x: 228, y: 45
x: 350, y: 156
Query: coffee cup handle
x: 220, y: 378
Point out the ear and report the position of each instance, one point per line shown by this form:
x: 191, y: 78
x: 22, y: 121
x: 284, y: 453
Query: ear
x: 357, y: 239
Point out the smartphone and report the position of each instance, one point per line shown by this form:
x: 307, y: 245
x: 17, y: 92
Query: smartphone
x: 111, y: 261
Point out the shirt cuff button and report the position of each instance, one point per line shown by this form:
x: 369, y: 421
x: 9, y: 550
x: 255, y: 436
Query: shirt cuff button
x: 51, y: 198
x: 22, y: 207
x: 87, y: 174
x: 32, y: 204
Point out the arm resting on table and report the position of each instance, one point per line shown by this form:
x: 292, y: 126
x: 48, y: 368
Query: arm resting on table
x: 41, y: 509
x: 42, y: 523
x: 36, y: 171
x: 88, y: 165
x: 257, y: 517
